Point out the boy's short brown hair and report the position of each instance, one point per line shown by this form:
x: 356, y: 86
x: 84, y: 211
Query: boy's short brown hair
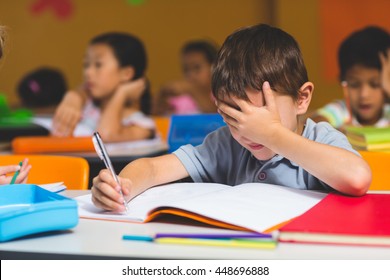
x: 252, y: 55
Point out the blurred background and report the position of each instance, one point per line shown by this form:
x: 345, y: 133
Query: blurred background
x: 55, y: 33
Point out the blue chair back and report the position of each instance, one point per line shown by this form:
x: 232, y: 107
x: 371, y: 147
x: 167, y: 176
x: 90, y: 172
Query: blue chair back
x: 191, y: 129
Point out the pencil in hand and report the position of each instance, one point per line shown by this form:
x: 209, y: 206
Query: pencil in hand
x: 16, y: 174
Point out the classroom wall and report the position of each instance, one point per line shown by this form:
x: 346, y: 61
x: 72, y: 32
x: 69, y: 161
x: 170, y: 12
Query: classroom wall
x: 56, y: 32
x: 300, y: 19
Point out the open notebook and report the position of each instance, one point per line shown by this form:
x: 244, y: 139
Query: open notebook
x: 252, y: 206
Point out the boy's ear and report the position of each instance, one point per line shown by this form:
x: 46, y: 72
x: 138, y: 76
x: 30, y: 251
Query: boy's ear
x: 127, y: 73
x: 344, y: 87
x: 304, y: 97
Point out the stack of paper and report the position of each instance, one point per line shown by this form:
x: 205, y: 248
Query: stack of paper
x: 369, y: 138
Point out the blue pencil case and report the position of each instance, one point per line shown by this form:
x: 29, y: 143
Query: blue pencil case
x: 28, y: 209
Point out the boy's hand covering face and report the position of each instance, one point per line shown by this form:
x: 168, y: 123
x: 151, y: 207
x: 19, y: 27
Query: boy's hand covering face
x: 250, y: 121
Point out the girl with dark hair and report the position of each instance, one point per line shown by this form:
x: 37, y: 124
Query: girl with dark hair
x: 115, y: 97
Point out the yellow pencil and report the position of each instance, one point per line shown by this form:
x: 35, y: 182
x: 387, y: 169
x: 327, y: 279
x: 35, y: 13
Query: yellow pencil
x: 239, y: 243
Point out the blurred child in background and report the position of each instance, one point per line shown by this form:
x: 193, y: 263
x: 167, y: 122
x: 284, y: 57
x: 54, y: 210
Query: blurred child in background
x: 115, y: 99
x: 193, y: 94
x: 5, y: 170
x: 364, y: 64
x: 42, y: 89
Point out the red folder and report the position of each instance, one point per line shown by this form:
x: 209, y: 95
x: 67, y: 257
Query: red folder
x: 342, y: 219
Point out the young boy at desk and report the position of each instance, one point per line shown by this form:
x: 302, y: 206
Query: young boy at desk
x: 262, y: 88
x: 25, y: 167
x: 364, y: 62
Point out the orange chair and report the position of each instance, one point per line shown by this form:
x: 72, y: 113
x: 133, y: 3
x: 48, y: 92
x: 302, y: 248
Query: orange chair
x: 73, y: 171
x: 162, y: 126
x: 379, y: 163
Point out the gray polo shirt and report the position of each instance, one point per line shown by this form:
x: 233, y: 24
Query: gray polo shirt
x: 221, y: 159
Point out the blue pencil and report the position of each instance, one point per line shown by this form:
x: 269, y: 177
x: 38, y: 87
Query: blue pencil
x: 145, y: 238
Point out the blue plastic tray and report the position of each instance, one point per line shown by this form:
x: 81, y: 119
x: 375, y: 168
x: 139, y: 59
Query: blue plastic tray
x: 29, y: 209
x: 191, y: 129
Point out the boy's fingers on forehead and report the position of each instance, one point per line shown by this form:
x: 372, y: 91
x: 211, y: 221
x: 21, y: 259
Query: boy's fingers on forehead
x: 227, y: 102
x: 263, y: 98
x: 268, y: 95
x: 236, y: 103
x: 226, y: 109
x: 240, y: 103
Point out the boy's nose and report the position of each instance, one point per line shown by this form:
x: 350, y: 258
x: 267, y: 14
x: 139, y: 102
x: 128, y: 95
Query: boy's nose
x: 366, y: 90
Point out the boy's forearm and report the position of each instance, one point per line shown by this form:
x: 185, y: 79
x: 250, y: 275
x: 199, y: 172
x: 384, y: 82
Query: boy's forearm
x: 337, y: 167
x: 149, y: 172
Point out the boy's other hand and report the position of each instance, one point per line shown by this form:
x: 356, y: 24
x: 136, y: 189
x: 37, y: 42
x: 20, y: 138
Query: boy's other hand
x: 255, y: 123
x: 105, y: 191
x: 385, y: 73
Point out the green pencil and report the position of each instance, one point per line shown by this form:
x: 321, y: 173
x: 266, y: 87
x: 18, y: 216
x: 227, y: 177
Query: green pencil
x: 16, y: 174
